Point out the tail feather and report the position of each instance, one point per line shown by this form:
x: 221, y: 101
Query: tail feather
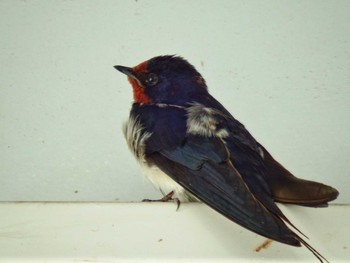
x: 317, y: 254
x: 302, y: 241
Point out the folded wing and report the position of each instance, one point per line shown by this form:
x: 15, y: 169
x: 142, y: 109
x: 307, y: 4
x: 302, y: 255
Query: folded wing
x: 202, y: 166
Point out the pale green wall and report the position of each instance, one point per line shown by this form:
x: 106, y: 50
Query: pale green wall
x: 281, y: 67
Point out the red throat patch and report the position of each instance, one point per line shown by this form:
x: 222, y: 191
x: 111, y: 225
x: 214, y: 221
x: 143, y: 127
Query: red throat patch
x: 138, y: 90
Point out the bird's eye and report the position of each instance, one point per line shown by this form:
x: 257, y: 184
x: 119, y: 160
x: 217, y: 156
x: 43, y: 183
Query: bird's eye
x: 151, y: 79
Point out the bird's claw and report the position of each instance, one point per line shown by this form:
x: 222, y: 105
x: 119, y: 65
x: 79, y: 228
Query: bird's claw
x: 167, y: 198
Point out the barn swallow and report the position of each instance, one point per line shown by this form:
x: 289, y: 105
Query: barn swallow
x: 191, y: 147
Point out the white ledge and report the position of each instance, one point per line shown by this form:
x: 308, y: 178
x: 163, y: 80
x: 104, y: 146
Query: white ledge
x: 156, y: 232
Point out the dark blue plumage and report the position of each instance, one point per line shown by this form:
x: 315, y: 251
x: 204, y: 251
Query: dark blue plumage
x: 192, y: 145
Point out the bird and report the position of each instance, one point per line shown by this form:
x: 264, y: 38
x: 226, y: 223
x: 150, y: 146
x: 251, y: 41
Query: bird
x: 192, y: 149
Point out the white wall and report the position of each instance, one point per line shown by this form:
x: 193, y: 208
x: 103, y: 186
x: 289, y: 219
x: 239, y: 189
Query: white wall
x: 281, y: 67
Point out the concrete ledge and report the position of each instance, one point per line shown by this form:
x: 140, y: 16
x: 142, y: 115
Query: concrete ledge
x: 155, y: 232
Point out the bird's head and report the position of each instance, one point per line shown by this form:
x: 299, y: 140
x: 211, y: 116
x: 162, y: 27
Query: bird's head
x: 165, y: 79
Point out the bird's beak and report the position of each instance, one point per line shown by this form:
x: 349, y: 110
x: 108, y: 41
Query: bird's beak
x: 127, y: 71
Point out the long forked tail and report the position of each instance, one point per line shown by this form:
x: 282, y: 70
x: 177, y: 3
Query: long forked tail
x: 302, y: 241
x: 317, y: 254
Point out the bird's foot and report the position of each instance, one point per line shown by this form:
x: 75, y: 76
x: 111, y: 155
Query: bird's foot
x: 166, y: 198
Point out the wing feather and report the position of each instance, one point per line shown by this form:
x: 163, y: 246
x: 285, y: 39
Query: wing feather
x: 210, y: 176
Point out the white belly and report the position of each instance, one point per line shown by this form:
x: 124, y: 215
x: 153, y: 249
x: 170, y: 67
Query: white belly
x: 165, y: 184
x: 136, y: 138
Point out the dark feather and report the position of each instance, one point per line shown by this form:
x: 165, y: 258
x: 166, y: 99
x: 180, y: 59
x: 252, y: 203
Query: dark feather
x: 287, y: 188
x: 218, y: 184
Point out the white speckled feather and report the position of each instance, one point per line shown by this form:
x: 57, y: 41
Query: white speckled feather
x: 200, y: 121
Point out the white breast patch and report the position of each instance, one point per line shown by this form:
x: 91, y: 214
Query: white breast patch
x: 201, y: 121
